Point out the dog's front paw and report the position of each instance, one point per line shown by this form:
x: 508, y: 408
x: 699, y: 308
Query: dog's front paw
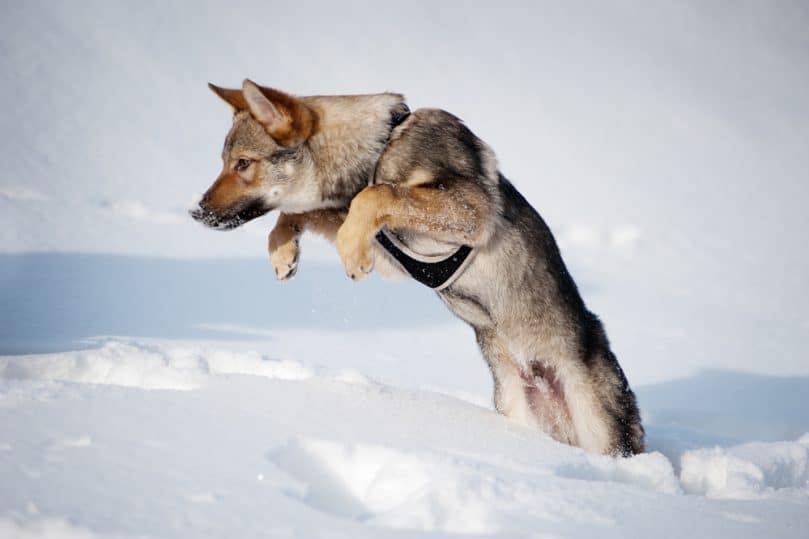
x: 285, y: 260
x: 355, y: 252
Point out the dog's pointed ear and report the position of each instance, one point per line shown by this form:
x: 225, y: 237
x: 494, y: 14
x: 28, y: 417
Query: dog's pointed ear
x: 286, y: 118
x: 234, y: 98
x: 261, y: 107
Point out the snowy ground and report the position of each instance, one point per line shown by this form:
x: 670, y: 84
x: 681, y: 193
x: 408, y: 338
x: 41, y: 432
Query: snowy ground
x: 191, y: 439
x: 152, y: 385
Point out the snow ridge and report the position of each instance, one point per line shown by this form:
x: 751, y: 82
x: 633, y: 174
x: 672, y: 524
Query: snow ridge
x: 130, y: 364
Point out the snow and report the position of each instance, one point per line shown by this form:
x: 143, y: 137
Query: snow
x: 152, y: 384
x: 747, y: 471
x: 215, y: 439
x: 125, y: 364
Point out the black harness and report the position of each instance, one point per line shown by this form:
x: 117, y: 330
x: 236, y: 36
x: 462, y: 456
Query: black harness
x: 436, y: 272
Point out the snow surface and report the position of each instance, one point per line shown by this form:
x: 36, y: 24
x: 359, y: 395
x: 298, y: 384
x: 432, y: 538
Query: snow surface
x: 178, y: 439
x: 153, y: 385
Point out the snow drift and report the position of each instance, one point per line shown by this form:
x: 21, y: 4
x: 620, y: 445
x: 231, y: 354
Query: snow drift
x: 320, y: 446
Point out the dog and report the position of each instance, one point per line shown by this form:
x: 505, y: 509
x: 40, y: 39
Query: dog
x: 419, y: 194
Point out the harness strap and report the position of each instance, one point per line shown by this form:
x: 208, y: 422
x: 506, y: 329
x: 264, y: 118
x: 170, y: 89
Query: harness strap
x: 434, y: 272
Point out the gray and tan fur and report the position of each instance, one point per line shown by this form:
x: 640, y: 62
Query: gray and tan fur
x: 435, y: 186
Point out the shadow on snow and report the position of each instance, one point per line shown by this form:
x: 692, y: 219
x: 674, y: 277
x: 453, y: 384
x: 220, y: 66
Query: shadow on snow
x: 52, y: 300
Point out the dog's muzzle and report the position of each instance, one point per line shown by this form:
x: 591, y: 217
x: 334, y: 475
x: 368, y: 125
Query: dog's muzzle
x: 216, y: 221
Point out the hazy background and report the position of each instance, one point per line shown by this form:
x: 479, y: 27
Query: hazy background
x: 666, y: 145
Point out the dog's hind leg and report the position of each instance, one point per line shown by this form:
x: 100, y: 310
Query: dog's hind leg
x: 511, y: 394
x: 617, y: 405
x: 532, y: 395
x: 282, y: 243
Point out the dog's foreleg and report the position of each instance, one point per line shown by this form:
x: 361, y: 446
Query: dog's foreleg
x: 461, y: 214
x: 283, y: 242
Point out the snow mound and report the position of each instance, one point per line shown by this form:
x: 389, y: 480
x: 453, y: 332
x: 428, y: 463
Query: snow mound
x: 652, y: 471
x: 747, y: 471
x: 250, y: 363
x: 431, y: 491
x: 132, y: 364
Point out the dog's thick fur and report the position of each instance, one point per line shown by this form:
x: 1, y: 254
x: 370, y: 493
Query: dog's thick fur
x: 435, y: 186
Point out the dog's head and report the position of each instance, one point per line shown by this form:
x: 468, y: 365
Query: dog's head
x: 266, y: 163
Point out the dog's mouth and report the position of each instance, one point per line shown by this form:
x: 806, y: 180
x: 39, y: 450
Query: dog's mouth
x: 216, y: 221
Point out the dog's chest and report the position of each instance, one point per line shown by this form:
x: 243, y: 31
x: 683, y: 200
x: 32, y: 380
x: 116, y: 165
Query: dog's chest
x: 467, y: 306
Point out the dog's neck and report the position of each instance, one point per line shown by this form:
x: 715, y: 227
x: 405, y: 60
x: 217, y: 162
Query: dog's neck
x: 352, y: 132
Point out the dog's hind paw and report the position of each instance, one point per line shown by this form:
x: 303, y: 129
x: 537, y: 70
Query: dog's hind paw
x: 285, y: 260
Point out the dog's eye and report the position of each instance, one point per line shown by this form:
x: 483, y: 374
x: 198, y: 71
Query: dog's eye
x: 242, y: 164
